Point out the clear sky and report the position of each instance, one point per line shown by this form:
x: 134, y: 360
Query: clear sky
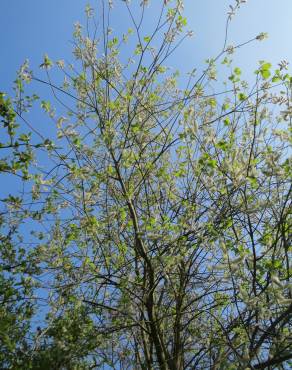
x: 31, y: 28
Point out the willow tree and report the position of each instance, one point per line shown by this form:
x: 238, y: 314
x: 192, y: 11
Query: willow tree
x: 158, y: 207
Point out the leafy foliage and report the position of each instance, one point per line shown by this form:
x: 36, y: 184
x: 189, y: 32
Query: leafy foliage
x: 157, y: 223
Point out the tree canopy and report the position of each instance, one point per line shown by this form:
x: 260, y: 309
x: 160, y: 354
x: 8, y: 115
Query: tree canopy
x: 151, y: 224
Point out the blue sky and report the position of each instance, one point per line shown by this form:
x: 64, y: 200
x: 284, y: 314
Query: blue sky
x: 33, y: 27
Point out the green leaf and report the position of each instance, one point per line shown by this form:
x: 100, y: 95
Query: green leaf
x: 237, y: 71
x: 225, y: 106
x: 46, y: 105
x: 212, y: 102
x: 222, y: 145
x: 147, y: 39
x: 242, y: 96
x: 47, y: 63
x: 265, y: 70
x: 265, y: 74
x: 253, y: 182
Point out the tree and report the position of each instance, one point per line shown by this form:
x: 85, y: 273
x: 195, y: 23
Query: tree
x: 159, y: 214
